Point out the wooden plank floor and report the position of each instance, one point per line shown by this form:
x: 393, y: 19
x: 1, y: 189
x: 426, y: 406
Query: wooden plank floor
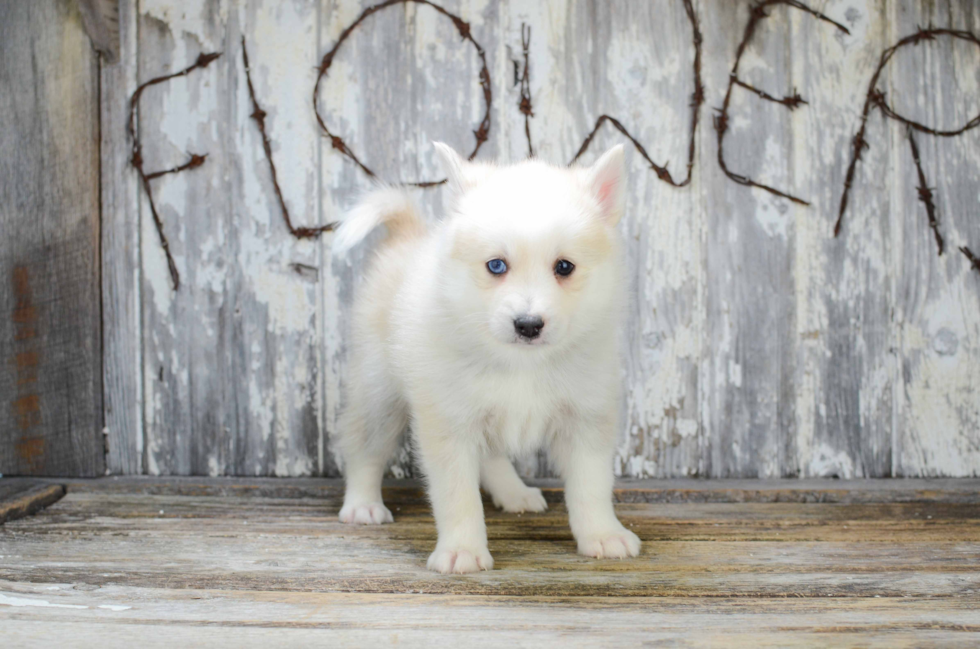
x: 265, y: 563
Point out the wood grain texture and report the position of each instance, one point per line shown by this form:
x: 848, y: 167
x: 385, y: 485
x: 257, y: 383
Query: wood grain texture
x: 258, y: 619
x: 749, y: 252
x: 677, y: 490
x: 27, y: 497
x: 122, y: 561
x: 230, y: 385
x: 186, y: 360
x: 845, y: 347
x: 50, y: 330
x: 758, y: 343
x: 937, y: 300
x: 275, y: 348
x: 122, y: 362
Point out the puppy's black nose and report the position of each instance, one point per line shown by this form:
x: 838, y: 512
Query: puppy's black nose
x: 528, y: 326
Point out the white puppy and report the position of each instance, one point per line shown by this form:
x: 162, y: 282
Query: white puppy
x: 495, y: 332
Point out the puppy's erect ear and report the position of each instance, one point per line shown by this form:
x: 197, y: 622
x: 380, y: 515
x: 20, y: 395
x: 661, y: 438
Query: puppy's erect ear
x: 454, y: 168
x: 461, y: 175
x: 605, y: 180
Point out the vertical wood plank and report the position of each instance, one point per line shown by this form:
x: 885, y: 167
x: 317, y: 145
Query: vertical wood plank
x: 275, y: 345
x: 189, y: 416
x: 237, y: 348
x: 748, y: 406
x: 50, y: 333
x: 937, y: 83
x: 122, y: 336
x: 844, y: 337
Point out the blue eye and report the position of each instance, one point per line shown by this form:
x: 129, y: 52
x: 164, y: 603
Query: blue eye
x: 564, y: 267
x: 497, y: 266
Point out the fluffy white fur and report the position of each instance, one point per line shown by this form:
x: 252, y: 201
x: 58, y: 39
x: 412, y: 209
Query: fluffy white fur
x: 435, y: 344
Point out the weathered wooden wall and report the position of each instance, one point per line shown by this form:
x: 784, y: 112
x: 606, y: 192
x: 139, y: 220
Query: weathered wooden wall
x: 50, y: 330
x: 759, y: 344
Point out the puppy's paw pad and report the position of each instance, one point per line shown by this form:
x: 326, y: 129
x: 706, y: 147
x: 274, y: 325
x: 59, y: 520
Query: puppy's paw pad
x: 460, y: 561
x: 616, y: 544
x: 366, y: 514
x: 529, y: 500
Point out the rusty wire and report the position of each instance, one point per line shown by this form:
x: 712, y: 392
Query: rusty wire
x: 925, y: 192
x: 876, y: 99
x: 194, y: 160
x: 757, y: 15
x: 525, y: 104
x: 792, y: 102
x: 697, y: 99
x: 259, y: 116
x: 974, y: 260
x: 482, y: 131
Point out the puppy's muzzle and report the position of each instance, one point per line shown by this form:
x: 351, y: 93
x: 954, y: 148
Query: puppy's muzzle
x: 528, y: 327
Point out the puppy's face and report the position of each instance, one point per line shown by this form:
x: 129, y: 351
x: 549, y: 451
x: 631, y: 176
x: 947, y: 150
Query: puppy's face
x: 532, y: 254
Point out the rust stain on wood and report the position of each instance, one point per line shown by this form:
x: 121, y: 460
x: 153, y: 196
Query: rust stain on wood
x: 26, y: 364
x: 26, y: 404
x: 31, y: 449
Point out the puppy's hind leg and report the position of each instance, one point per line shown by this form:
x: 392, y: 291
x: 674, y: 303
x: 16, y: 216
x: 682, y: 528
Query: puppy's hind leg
x: 508, y: 491
x: 368, y: 435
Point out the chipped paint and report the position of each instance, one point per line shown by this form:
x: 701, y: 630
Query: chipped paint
x: 21, y: 602
x: 757, y: 344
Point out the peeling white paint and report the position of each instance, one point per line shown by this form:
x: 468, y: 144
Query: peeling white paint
x: 710, y: 376
x: 115, y: 607
x: 19, y: 602
x: 286, y: 297
x: 827, y: 462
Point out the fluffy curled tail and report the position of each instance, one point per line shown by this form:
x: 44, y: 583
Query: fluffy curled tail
x: 389, y: 206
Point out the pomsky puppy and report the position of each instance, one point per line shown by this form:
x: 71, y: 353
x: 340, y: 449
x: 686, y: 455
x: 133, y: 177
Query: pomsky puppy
x: 494, y: 332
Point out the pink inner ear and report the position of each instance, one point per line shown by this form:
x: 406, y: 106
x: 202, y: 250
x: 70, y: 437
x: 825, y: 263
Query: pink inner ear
x: 605, y: 193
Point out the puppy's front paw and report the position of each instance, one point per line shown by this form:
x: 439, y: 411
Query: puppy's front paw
x: 529, y: 499
x: 612, y: 544
x: 365, y: 514
x: 460, y: 560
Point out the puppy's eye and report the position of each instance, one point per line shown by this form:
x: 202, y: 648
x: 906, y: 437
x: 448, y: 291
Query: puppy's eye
x: 564, y: 267
x: 497, y: 266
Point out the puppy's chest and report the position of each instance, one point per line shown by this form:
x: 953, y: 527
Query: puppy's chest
x: 519, y: 412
